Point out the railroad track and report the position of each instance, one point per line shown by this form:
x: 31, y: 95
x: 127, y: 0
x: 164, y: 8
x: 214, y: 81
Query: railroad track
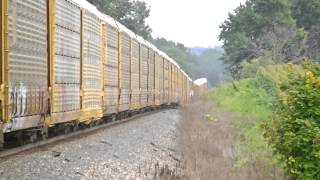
x: 6, y: 153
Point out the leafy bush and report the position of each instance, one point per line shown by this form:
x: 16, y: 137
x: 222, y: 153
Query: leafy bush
x: 271, y: 77
x: 251, y: 68
x: 295, y: 130
x: 285, y: 101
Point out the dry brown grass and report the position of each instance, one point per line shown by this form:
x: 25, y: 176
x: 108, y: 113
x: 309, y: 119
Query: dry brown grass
x: 206, y: 139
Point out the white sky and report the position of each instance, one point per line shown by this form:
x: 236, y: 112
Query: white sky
x: 191, y: 22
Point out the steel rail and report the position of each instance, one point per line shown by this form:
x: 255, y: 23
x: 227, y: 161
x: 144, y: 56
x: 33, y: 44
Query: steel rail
x: 70, y: 136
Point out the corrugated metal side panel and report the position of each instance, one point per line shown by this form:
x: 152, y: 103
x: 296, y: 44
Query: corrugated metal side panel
x: 178, y: 85
x: 166, y: 81
x: 179, y: 92
x: 144, y: 77
x: 67, y: 41
x: 111, y: 83
x: 91, y: 64
x: 181, y: 86
x: 180, y: 89
x: 174, y: 84
x: 161, y: 80
x: 68, y: 15
x: 66, y: 90
x: 66, y: 97
x: 28, y: 64
x: 189, y: 91
x: 151, y: 78
x: 135, y: 77
x: 111, y: 76
x: 67, y: 29
x: 157, y: 79
x: 186, y: 89
x: 67, y: 70
x: 183, y: 89
x: 125, y: 72
x: 111, y: 99
x: 170, y: 82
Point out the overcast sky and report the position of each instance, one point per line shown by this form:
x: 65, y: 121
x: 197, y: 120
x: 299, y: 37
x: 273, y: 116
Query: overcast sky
x: 191, y: 22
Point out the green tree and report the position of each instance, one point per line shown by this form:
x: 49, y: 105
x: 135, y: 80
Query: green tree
x: 247, y: 32
x: 132, y: 14
x: 178, y: 52
x: 206, y: 64
x: 306, y: 13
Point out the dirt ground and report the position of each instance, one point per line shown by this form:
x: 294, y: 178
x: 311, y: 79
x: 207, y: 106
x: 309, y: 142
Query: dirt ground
x: 206, y: 140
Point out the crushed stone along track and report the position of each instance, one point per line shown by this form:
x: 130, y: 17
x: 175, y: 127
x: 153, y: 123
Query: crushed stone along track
x: 131, y: 150
x: 5, y: 153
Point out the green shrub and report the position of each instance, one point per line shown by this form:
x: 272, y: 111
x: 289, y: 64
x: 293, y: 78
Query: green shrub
x: 271, y: 77
x: 285, y: 101
x: 250, y: 69
x: 295, y: 130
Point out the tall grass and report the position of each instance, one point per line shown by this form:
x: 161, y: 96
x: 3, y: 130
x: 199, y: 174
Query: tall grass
x: 251, y: 106
x: 246, y: 107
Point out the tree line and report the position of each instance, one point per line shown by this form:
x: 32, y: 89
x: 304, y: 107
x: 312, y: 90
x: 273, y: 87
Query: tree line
x: 284, y: 30
x: 132, y: 14
x: 206, y: 64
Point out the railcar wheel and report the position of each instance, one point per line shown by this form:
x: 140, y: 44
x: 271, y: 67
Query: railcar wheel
x: 75, y: 126
x: 20, y: 140
x: 33, y: 136
x: 1, y: 137
x: 44, y: 133
x: 68, y: 129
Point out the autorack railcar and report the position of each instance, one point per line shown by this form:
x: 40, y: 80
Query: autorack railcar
x: 200, y: 86
x: 64, y: 63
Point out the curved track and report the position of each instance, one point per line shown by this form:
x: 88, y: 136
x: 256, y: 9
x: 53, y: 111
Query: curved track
x: 14, y: 151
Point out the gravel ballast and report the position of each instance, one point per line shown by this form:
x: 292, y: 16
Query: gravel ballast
x: 137, y: 149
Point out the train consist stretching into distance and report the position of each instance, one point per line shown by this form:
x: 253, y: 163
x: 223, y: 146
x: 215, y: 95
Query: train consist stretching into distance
x: 200, y: 86
x: 65, y: 64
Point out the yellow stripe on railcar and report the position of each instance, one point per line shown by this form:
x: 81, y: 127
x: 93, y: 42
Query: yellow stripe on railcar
x: 161, y: 80
x: 124, y: 70
x: 157, y: 79
x: 135, y: 76
x: 91, y: 65
x: 166, y: 81
x: 151, y: 74
x: 64, y: 60
x: 143, y: 76
x: 111, y: 83
x: 4, y: 89
x: 4, y: 96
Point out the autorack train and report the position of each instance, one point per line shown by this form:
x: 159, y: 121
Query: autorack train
x: 64, y: 63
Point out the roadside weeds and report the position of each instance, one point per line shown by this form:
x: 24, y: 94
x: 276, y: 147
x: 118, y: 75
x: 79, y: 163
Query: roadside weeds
x: 209, y: 142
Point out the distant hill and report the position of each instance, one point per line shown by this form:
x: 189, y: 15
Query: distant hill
x: 200, y: 50
x: 198, y: 62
